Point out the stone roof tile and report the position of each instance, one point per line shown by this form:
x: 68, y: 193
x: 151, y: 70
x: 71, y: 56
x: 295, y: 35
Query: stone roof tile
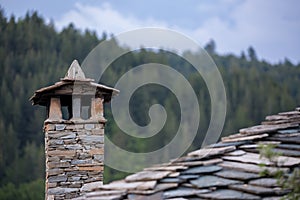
x: 229, y: 169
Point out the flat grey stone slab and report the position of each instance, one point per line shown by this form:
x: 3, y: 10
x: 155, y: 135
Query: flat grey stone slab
x: 144, y: 197
x: 250, y: 167
x: 255, y: 159
x: 265, y: 128
x: 202, y: 169
x: 265, y: 182
x: 226, y: 144
x: 236, y: 153
x: 60, y: 127
x: 183, y: 192
x: 206, y: 152
x: 293, y: 140
x: 188, y: 176
x: 159, y: 187
x: 241, y: 137
x: 229, y: 194
x: 289, y: 131
x: 166, y: 168
x: 289, y: 146
x: 171, y: 180
x: 122, y: 185
x: 147, y: 175
x: 212, y: 181
x: 239, y: 175
x: 198, y: 162
x: 258, y: 190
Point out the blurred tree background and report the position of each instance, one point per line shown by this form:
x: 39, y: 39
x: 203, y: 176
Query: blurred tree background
x: 33, y: 55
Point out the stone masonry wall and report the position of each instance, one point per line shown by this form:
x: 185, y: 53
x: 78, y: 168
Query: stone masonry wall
x: 74, y: 156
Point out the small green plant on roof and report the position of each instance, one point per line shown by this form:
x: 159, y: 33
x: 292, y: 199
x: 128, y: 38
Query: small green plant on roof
x: 290, y: 182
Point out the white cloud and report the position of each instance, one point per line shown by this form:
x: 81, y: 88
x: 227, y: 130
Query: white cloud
x: 103, y: 18
x: 272, y: 27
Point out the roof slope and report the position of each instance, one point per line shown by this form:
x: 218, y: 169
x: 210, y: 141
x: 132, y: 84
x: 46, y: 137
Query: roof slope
x: 226, y: 170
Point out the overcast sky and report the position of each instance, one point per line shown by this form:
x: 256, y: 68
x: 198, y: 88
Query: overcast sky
x: 272, y: 27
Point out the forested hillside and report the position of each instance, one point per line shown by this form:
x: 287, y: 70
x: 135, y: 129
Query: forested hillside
x: 33, y: 55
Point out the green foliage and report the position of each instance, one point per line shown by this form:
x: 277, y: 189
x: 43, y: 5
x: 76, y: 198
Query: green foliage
x: 293, y: 183
x: 33, y: 190
x: 290, y: 182
x: 33, y: 55
x: 267, y: 151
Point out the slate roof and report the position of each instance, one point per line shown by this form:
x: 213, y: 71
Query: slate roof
x: 225, y: 170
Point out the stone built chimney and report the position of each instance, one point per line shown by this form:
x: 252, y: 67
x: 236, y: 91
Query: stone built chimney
x: 74, y: 132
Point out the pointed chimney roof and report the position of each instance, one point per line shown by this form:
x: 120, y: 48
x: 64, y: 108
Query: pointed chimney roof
x: 75, y: 73
x: 67, y: 84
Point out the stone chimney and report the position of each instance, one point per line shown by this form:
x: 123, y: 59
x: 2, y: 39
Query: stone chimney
x: 74, y: 132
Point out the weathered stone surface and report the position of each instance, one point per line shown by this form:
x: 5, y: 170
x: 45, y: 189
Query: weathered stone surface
x: 255, y: 158
x: 256, y: 189
x: 148, y: 185
x: 198, y: 163
x: 97, y: 151
x: 183, y: 192
x: 91, y: 186
x: 105, y: 193
x: 202, y: 169
x: 155, y: 196
x: 265, y: 182
x: 97, y: 108
x: 55, y: 109
x: 174, y: 174
x: 60, y: 190
x: 76, y: 107
x: 225, y: 144
x: 49, y: 127
x: 64, y: 153
x: 250, y: 167
x: 58, y: 178
x: 265, y: 128
x: 76, y: 162
x: 243, y: 138
x: 52, y: 185
x: 159, y: 187
x: 224, y: 194
x: 289, y: 146
x: 147, y: 175
x: 60, y: 127
x: 212, y: 181
x: 90, y: 139
x: 55, y: 142
x: 91, y: 168
x: 293, y: 140
x: 287, y: 152
x: 166, y: 168
x: 89, y: 126
x: 239, y: 175
x: 122, y: 185
x: 171, y: 180
x: 69, y: 136
x: 74, y: 127
x: 58, y: 164
x: 188, y: 177
x: 289, y: 131
x: 99, y: 158
x: 236, y: 153
x: 211, y: 151
x: 54, y: 171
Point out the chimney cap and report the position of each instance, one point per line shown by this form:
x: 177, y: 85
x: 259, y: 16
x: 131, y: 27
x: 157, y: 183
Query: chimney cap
x: 75, y: 73
x: 74, y: 79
